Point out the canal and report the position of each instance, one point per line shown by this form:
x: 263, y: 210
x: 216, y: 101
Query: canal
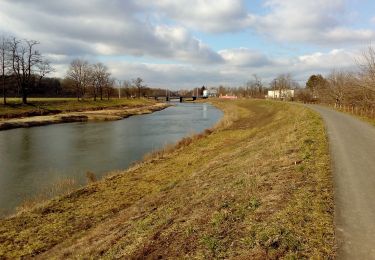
x: 34, y: 158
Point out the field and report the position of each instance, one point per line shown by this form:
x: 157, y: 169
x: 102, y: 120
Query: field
x: 256, y: 186
x: 48, y: 106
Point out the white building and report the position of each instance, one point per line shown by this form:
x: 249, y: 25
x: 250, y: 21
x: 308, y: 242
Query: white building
x: 280, y: 94
x: 211, y: 92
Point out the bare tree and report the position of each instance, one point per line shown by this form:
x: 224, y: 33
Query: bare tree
x: 340, y: 86
x: 44, y: 68
x: 79, y: 72
x: 4, y: 49
x: 366, y: 80
x: 367, y: 68
x: 26, y: 64
x: 138, y: 84
x: 100, y: 76
x: 254, y: 87
x: 282, y: 83
x: 109, y: 86
x: 127, y: 88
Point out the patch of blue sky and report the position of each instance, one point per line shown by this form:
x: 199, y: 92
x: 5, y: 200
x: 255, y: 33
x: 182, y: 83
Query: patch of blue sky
x: 363, y: 12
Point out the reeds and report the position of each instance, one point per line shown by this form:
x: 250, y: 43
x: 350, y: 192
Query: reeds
x: 58, y: 188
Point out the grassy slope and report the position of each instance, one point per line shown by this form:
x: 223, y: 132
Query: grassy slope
x: 45, y: 105
x: 256, y: 187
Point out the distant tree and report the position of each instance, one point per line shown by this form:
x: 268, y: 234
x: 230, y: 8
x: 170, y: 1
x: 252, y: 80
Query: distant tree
x: 79, y: 73
x: 367, y: 67
x: 282, y: 83
x: 254, y: 87
x: 126, y: 88
x: 339, y: 87
x: 138, y: 84
x: 315, y: 84
x: 44, y: 68
x: 222, y: 90
x: 4, y: 50
x: 304, y: 95
x: 26, y: 65
x: 109, y: 89
x: 100, y: 77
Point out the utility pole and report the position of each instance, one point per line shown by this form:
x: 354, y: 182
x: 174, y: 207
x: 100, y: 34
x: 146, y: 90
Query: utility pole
x: 119, y: 89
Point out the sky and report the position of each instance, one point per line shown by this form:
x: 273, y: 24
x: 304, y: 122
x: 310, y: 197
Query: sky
x: 190, y: 43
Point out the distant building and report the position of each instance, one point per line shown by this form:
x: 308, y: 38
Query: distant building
x: 281, y: 94
x: 212, y: 92
x: 228, y: 97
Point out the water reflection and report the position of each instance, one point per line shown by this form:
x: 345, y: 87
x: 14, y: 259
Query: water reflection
x: 205, y: 111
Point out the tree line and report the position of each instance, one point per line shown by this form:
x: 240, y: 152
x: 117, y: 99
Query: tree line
x: 95, y: 81
x: 256, y: 88
x: 24, y: 72
x: 350, y: 89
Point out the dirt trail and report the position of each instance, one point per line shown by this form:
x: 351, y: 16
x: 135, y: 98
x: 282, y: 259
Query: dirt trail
x: 352, y: 146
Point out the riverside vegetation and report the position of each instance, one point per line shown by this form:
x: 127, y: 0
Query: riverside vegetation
x: 56, y: 111
x: 256, y: 186
x: 50, y: 106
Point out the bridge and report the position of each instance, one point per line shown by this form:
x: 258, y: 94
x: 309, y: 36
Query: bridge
x: 176, y: 98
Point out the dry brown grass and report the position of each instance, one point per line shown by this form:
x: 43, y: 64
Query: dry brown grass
x: 256, y: 187
x: 91, y: 177
x: 59, y: 188
x: 50, y: 106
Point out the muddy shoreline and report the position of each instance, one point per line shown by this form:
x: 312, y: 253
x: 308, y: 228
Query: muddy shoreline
x: 110, y: 114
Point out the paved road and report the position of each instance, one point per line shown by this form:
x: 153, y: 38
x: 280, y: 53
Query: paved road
x: 352, y: 147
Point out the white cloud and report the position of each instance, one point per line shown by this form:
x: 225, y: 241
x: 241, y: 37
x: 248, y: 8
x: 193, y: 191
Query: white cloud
x: 103, y: 30
x: 245, y: 57
x: 159, y: 32
x: 234, y: 72
x: 206, y: 15
x: 334, y: 58
x: 315, y: 22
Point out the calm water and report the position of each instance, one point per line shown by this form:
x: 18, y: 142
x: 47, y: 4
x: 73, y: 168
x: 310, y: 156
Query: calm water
x: 33, y: 158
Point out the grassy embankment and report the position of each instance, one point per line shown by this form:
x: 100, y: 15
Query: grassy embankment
x: 256, y: 187
x: 48, y: 106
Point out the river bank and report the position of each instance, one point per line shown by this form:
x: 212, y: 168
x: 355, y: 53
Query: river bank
x: 52, y: 106
x: 257, y: 186
x: 35, y: 161
x: 100, y: 114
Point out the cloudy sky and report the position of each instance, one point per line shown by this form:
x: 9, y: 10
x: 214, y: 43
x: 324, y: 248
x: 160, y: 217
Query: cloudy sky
x: 188, y: 43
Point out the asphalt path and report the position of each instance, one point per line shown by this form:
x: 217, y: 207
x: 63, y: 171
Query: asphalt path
x: 352, y: 148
